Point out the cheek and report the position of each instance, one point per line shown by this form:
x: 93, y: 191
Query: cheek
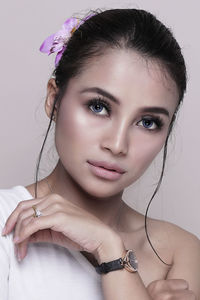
x: 144, y: 151
x: 75, y: 130
x: 77, y: 125
x: 71, y: 130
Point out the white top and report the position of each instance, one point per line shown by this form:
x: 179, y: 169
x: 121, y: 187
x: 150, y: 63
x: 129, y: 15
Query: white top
x: 48, y: 272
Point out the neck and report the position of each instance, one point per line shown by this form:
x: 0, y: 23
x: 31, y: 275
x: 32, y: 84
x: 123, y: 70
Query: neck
x: 60, y: 182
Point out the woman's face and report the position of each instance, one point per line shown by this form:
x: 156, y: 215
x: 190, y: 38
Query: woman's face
x: 114, y: 115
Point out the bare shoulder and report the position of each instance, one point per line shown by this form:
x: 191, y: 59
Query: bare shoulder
x: 175, y: 238
x: 184, y: 249
x: 164, y: 235
x: 177, y: 248
x: 182, y: 241
x: 175, y: 233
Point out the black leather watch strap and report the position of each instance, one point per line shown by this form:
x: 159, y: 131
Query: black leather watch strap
x: 110, y: 266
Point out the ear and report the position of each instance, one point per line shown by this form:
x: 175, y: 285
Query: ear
x: 50, y: 99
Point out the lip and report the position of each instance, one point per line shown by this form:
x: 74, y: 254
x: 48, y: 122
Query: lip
x: 108, y: 166
x: 104, y: 173
x: 105, y: 170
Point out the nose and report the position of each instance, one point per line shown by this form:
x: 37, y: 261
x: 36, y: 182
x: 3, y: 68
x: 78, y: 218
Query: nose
x: 115, y: 139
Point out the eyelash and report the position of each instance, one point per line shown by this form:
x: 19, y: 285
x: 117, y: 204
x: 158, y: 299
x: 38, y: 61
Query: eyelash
x: 157, y: 120
x: 101, y: 102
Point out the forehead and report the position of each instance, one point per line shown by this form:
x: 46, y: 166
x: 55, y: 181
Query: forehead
x: 129, y: 77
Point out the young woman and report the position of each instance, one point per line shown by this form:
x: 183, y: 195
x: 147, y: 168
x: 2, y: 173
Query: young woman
x: 118, y: 83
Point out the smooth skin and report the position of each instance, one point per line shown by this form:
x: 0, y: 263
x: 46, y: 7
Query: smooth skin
x: 86, y: 211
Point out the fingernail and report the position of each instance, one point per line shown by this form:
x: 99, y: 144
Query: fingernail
x: 4, y: 231
x: 16, y: 239
x: 18, y: 256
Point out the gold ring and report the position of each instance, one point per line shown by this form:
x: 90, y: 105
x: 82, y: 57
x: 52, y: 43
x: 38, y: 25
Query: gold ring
x: 37, y: 212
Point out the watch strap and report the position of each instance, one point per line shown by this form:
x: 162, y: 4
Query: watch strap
x: 110, y: 266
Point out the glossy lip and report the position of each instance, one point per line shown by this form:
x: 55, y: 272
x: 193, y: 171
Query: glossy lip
x: 107, y: 165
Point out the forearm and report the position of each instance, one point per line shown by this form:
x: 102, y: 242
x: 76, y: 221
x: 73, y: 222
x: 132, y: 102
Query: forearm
x: 120, y: 284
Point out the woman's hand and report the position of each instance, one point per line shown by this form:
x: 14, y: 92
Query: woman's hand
x: 170, y: 289
x: 61, y: 223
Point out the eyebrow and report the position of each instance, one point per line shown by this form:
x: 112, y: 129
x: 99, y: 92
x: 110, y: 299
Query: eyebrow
x: 147, y: 109
x: 101, y: 92
x: 155, y: 109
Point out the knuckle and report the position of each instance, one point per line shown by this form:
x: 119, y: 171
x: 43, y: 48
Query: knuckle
x: 56, y: 197
x: 22, y: 204
x: 150, y: 288
x: 57, y: 206
x: 155, y: 286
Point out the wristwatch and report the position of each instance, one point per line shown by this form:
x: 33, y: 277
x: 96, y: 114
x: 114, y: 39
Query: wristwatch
x: 129, y: 262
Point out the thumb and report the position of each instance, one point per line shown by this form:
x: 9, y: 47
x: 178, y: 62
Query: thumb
x: 177, y: 284
x: 167, y: 285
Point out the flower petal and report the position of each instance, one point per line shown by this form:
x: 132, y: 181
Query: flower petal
x: 58, y: 56
x: 70, y: 23
x: 57, y: 42
x: 47, y: 44
x: 62, y: 33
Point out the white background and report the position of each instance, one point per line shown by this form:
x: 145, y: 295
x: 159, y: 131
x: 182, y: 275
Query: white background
x: 24, y: 24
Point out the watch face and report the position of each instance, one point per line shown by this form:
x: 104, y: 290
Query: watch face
x: 133, y: 263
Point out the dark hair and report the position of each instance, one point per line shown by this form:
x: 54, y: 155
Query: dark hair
x: 121, y: 29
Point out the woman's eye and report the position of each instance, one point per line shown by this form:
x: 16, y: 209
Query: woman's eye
x: 151, y: 124
x: 99, y: 107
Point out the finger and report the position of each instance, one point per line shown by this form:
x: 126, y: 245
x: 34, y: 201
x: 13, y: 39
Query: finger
x: 177, y: 284
x: 167, y: 285
x: 26, y: 216
x: 41, y: 236
x: 34, y: 225
x: 53, y: 199
x: 12, y: 219
x: 46, y: 235
x: 23, y: 220
x: 22, y: 249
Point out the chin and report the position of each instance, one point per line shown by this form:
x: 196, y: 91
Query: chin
x: 95, y: 187
x: 102, y: 191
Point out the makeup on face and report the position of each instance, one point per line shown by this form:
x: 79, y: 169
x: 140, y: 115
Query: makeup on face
x: 106, y: 170
x: 113, y: 121
x: 151, y: 117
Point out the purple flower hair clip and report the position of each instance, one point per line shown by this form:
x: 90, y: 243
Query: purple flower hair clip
x: 57, y: 42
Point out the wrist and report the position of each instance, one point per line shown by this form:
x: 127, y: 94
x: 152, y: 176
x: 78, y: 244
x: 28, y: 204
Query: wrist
x: 111, y: 249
